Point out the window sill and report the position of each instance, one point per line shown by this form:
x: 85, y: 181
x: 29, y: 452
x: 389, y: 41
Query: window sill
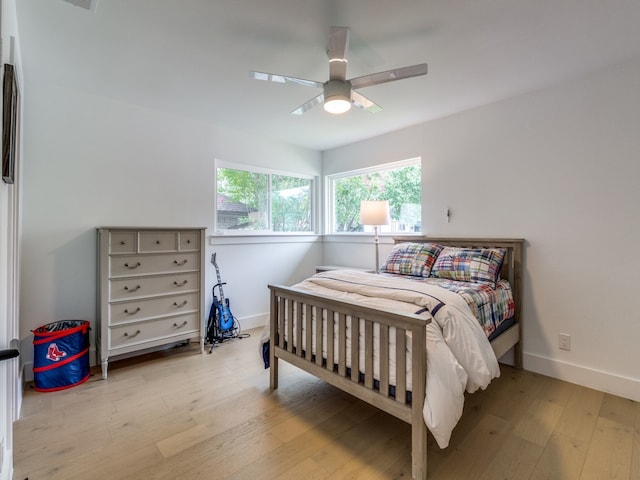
x: 253, y: 238
x: 365, y: 237
x: 262, y: 238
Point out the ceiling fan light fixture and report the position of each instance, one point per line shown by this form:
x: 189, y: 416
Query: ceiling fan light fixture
x: 337, y: 96
x: 337, y: 105
x: 339, y: 92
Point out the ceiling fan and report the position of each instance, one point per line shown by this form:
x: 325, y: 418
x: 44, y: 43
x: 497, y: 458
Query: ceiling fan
x: 338, y: 93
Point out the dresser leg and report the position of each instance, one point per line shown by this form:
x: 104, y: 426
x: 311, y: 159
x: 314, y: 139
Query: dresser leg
x: 105, y: 364
x: 201, y: 344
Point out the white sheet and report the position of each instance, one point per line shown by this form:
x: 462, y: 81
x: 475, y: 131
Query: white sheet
x: 459, y: 356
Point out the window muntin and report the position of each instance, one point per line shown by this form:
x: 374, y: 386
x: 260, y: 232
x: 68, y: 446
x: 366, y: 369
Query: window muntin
x: 252, y: 200
x: 400, y: 183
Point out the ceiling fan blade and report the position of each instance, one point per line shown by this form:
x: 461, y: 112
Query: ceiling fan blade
x: 389, y: 76
x: 363, y: 102
x: 337, y: 50
x: 272, y: 77
x: 308, y: 105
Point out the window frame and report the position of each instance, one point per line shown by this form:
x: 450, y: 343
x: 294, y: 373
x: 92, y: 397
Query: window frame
x: 329, y: 180
x: 313, y: 183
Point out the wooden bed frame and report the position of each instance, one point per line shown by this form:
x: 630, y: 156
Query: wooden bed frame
x: 287, y: 302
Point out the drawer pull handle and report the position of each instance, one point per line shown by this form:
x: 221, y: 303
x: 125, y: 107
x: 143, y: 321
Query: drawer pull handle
x: 126, y: 334
x: 126, y: 310
x: 157, y: 242
x: 180, y: 305
x: 184, y: 282
x: 134, y: 289
x: 188, y: 241
x: 183, y: 262
x: 136, y: 265
x: 122, y: 242
x: 180, y: 326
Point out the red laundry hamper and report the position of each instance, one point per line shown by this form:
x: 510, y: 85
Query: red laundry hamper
x: 61, y: 355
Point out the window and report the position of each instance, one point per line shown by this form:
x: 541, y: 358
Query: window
x: 257, y: 200
x: 399, y: 182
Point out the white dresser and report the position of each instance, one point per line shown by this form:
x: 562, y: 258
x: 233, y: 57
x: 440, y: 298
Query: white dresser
x: 150, y: 289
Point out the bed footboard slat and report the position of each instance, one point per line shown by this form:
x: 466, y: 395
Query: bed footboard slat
x: 281, y: 317
x: 401, y: 364
x: 342, y: 344
x: 368, y: 354
x: 320, y: 312
x: 298, y: 325
x: 383, y: 348
x: 308, y: 331
x: 355, y: 358
x: 330, y: 342
x: 290, y: 322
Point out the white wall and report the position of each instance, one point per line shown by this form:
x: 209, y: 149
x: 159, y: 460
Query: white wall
x: 560, y: 168
x: 93, y: 162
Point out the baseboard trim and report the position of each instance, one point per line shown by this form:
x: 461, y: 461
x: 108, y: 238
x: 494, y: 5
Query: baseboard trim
x: 253, y: 321
x: 587, y: 377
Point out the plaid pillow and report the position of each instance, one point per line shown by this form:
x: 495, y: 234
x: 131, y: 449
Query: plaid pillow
x: 415, y: 259
x: 476, y: 265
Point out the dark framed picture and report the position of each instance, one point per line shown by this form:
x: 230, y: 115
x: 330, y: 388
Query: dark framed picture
x: 9, y: 123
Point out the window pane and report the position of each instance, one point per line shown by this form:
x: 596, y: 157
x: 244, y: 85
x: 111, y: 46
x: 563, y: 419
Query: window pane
x: 247, y: 200
x: 290, y: 204
x: 401, y: 186
x: 242, y: 200
x: 349, y: 192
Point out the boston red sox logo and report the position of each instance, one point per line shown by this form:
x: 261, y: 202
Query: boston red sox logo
x: 54, y: 354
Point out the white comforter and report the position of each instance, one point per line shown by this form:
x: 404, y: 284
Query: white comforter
x: 459, y: 356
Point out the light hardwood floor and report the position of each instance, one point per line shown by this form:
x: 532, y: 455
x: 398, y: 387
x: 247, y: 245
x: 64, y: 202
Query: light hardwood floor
x: 182, y: 415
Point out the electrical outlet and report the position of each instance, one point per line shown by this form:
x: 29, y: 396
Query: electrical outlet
x: 564, y: 341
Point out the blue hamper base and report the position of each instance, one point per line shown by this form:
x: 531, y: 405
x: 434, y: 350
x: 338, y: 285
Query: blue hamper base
x: 61, y: 355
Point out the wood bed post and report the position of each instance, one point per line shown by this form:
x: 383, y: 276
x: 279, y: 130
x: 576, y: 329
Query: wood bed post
x: 517, y: 292
x: 419, y: 385
x: 273, y: 340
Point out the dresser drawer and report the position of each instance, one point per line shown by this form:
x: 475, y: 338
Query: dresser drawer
x: 153, y: 242
x: 137, y: 287
x: 142, y: 309
x: 122, y: 242
x: 189, y: 241
x: 144, y: 265
x: 122, y: 336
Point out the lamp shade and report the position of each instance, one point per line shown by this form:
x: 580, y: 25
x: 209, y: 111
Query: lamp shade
x: 375, y: 212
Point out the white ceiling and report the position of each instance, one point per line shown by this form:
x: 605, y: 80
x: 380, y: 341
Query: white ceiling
x: 192, y: 57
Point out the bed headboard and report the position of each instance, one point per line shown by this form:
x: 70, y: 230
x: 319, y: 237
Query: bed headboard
x: 511, y: 267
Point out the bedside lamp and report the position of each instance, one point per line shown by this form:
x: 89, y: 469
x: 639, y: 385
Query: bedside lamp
x: 375, y: 213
